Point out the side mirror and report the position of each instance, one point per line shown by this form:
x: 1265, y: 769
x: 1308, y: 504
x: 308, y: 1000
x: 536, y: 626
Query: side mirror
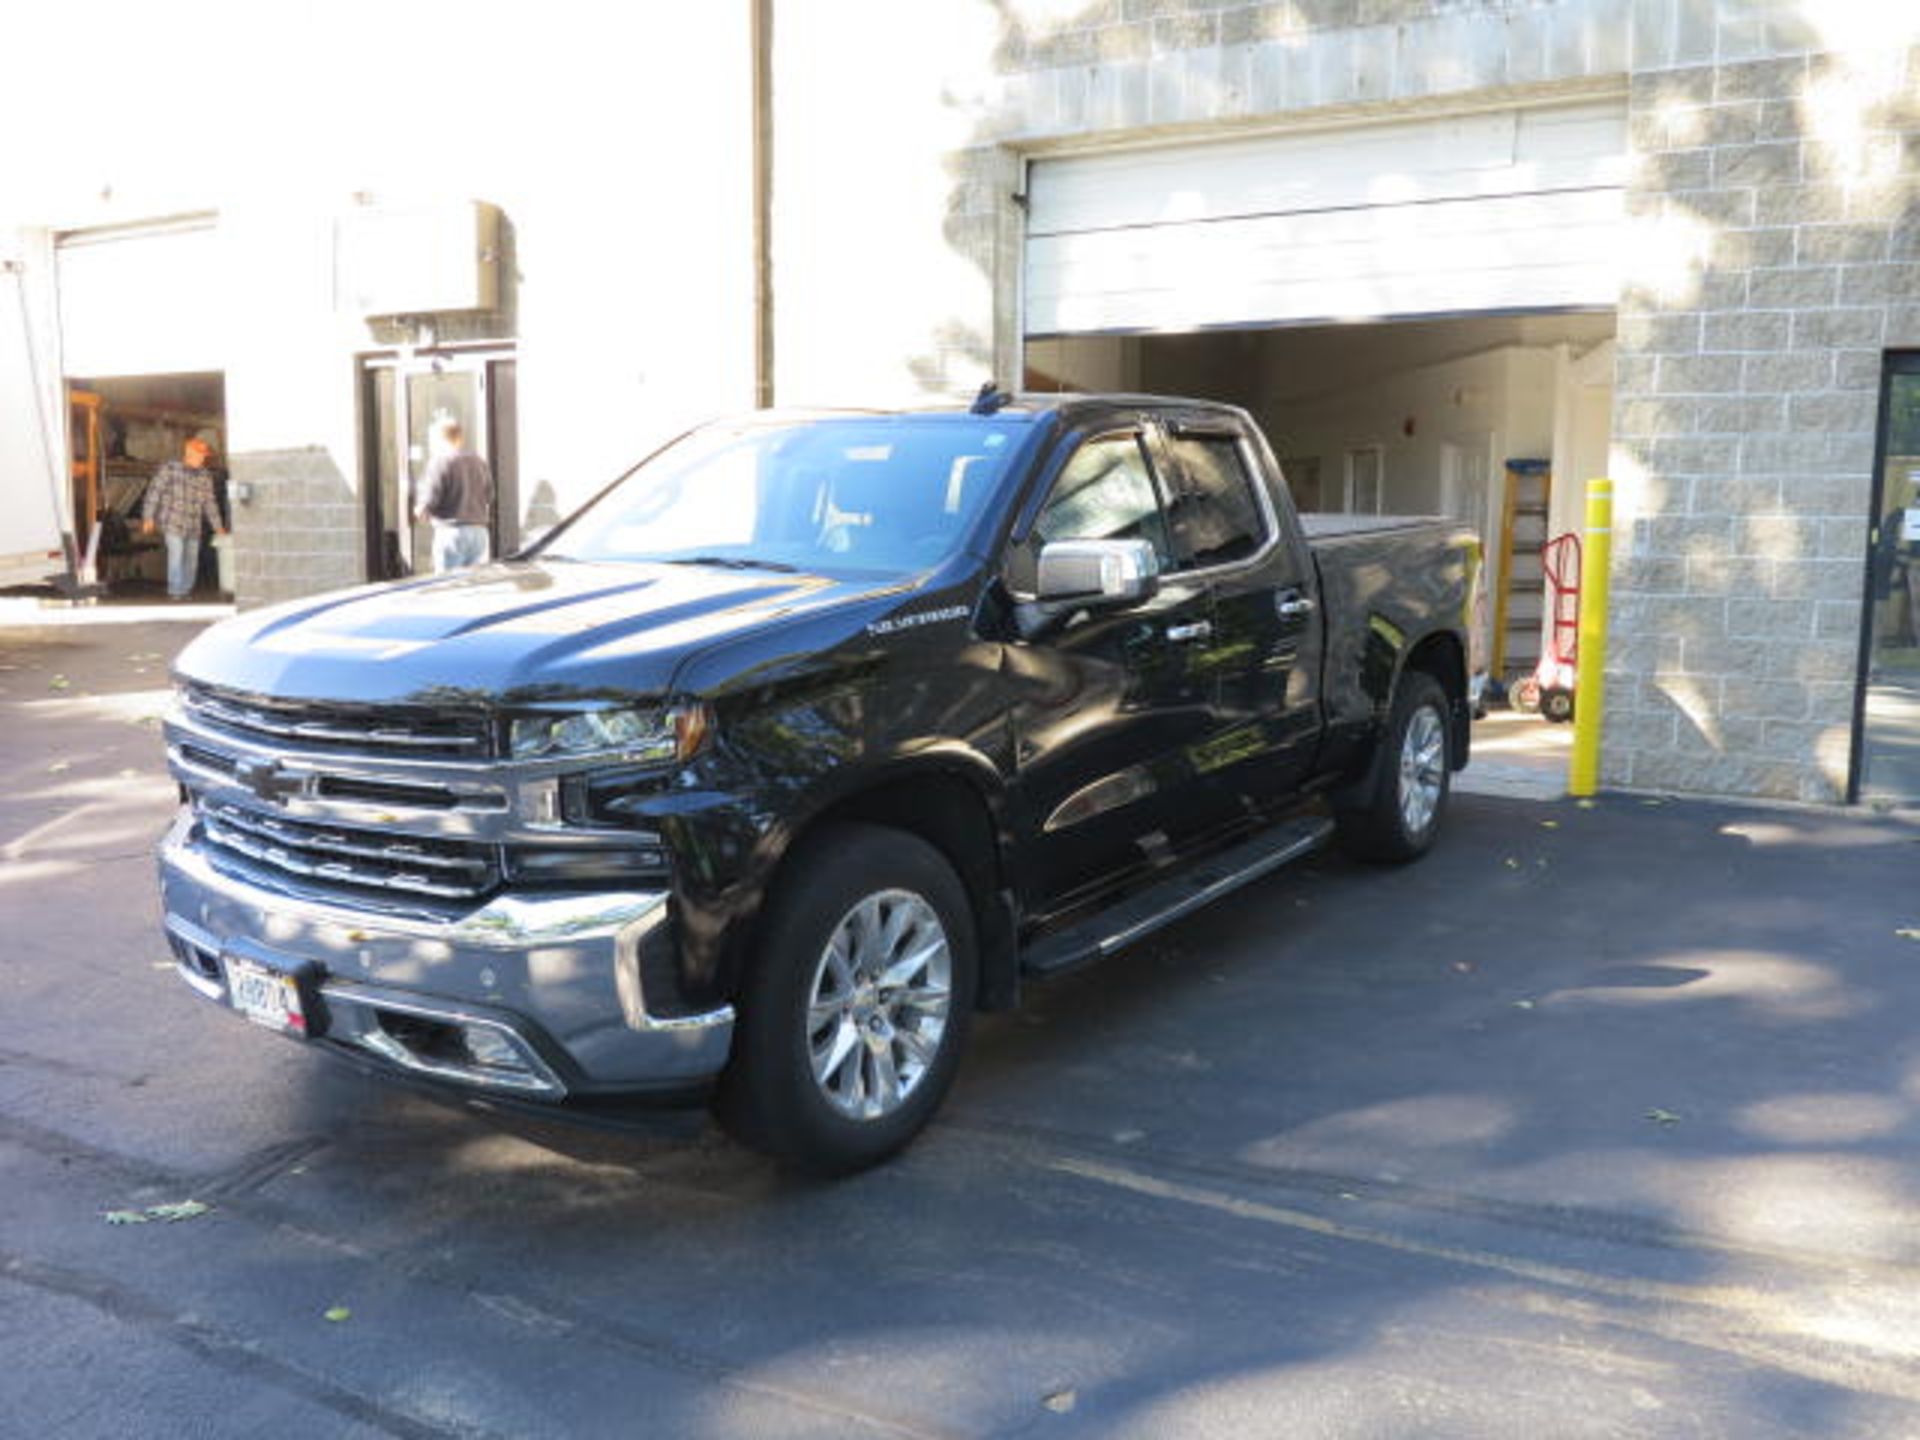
x: 1097, y: 573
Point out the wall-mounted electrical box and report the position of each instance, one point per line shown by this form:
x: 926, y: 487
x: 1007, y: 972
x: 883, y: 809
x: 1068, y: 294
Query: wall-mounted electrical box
x: 418, y: 260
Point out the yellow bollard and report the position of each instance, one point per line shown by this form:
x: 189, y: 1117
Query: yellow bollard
x: 1596, y: 564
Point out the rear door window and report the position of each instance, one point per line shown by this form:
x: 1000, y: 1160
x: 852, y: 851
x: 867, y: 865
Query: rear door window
x: 1214, y: 514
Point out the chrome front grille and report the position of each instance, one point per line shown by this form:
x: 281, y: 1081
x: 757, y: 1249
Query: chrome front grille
x: 339, y: 855
x: 418, y: 732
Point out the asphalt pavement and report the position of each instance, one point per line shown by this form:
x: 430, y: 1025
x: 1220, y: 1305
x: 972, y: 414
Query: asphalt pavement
x: 1600, y: 1121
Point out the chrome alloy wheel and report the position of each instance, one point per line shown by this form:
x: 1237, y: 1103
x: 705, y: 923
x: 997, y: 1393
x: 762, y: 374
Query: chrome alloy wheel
x: 877, y: 1005
x: 1423, y: 769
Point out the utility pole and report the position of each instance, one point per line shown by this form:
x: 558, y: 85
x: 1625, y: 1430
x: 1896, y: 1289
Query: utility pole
x: 760, y: 40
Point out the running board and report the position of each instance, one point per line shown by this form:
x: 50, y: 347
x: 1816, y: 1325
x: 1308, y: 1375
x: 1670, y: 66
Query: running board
x: 1160, y: 904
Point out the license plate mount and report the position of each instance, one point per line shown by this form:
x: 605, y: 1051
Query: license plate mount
x: 270, y: 997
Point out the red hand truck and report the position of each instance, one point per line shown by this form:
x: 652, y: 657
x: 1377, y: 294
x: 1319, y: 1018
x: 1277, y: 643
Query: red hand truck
x: 1550, y: 688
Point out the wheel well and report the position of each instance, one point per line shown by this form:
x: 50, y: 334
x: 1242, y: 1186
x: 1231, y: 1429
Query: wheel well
x: 951, y: 815
x: 1440, y: 655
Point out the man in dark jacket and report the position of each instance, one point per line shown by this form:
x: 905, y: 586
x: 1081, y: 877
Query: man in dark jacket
x: 178, y: 501
x: 456, y: 494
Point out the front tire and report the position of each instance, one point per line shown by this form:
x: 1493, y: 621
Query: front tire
x: 1399, y: 814
x: 851, y: 1024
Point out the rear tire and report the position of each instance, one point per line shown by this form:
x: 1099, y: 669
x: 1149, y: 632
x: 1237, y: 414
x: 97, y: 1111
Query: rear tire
x: 1397, y: 816
x: 850, y: 1026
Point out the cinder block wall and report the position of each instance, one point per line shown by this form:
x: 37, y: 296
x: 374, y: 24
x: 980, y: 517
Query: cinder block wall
x: 1777, y: 257
x: 299, y: 531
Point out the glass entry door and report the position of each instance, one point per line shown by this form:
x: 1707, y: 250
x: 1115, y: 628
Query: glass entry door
x: 1889, y: 753
x: 403, y: 398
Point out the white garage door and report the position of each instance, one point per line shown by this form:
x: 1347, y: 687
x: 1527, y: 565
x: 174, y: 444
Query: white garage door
x: 1513, y: 210
x: 33, y: 509
x: 141, y: 301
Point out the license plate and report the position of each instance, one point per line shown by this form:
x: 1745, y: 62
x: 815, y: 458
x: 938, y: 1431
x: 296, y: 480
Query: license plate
x: 265, y: 996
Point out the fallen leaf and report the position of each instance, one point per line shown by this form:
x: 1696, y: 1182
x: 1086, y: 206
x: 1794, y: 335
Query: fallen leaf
x: 164, y: 964
x: 1512, y: 864
x: 1061, y: 1402
x: 1462, y: 967
x: 180, y: 1210
x: 1549, y: 824
x: 59, y: 767
x: 124, y: 1217
x: 1662, y: 1117
x: 1908, y: 934
x: 1653, y: 800
x: 1523, y: 1004
x: 1585, y: 804
x: 59, y: 682
x: 339, y: 1313
x: 1128, y: 1137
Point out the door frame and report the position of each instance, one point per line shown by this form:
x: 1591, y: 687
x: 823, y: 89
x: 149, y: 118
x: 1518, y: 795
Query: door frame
x: 1892, y: 363
x: 1350, y: 481
x: 478, y: 358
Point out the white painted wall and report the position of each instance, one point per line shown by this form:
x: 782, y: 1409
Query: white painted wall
x: 1495, y: 404
x: 1087, y: 364
x: 1583, y: 430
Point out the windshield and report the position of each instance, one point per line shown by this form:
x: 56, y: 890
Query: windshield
x: 873, y: 493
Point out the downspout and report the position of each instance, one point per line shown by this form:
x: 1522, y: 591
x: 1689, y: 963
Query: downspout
x: 760, y: 39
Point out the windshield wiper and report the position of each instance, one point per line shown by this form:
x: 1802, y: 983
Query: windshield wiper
x: 735, y: 562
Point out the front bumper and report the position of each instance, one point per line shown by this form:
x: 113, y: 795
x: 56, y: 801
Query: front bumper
x: 541, y: 997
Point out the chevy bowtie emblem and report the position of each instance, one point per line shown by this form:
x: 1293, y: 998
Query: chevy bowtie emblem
x: 268, y: 780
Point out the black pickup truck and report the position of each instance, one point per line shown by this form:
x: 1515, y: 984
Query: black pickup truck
x: 803, y: 741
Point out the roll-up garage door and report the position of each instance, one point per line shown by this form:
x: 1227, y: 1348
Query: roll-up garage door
x: 143, y: 300
x: 1514, y: 210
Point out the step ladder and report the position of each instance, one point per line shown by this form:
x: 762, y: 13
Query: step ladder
x: 1520, y: 605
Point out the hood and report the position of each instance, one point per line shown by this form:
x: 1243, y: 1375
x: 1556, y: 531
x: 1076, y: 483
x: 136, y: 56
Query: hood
x: 510, y: 633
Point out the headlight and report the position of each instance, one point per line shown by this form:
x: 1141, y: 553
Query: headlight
x: 649, y: 737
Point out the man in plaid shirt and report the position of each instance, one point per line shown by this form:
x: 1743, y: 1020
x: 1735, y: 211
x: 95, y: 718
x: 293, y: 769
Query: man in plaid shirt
x: 180, y: 497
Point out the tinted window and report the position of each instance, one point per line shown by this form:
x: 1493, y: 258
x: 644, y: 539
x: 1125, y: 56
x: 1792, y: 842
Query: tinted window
x: 1214, y: 514
x: 1105, y: 492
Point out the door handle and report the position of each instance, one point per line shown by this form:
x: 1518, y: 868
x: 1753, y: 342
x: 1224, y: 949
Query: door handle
x: 1292, y: 605
x: 1198, y: 630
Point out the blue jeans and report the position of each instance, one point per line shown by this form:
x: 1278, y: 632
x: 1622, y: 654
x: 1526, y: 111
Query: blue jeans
x: 183, y: 564
x: 455, y: 547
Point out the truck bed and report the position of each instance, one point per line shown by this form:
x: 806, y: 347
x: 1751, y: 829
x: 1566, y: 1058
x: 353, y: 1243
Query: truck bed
x: 1383, y: 577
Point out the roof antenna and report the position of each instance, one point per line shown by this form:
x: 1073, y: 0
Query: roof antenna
x: 990, y: 400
